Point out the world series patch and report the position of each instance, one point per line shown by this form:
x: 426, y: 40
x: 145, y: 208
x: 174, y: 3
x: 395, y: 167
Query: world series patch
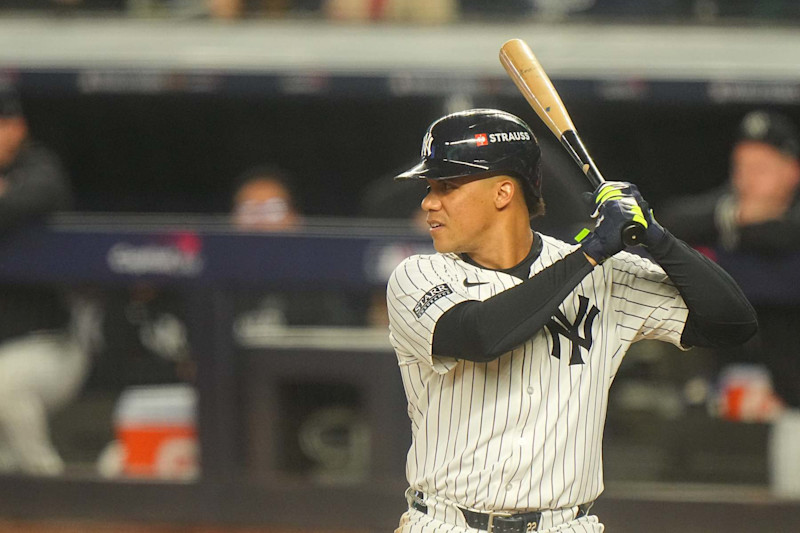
x: 431, y: 296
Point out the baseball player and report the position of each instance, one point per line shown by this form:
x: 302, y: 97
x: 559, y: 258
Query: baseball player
x: 508, y: 340
x: 43, y: 361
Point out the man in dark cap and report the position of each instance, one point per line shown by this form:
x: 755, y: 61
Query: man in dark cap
x: 41, y: 365
x: 32, y: 181
x: 756, y: 214
x: 758, y: 209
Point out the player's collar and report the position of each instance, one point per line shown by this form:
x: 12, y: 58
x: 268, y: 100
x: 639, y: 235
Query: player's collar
x: 521, y: 270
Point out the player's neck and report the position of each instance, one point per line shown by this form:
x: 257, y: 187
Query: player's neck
x: 504, y: 249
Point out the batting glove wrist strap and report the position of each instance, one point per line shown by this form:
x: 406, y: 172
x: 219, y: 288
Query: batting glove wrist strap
x: 593, y: 246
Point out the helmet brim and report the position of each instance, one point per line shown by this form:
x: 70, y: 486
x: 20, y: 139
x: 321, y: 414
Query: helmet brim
x: 440, y: 170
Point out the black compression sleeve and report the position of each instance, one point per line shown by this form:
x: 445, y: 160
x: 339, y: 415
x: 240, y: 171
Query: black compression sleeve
x: 483, y: 331
x: 719, y: 313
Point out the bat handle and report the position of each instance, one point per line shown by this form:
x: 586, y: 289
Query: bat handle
x: 633, y: 234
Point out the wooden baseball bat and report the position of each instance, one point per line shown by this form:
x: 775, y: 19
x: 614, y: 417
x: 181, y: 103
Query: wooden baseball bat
x: 534, y: 84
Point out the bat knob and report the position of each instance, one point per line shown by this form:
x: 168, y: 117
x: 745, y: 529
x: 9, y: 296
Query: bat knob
x: 633, y: 234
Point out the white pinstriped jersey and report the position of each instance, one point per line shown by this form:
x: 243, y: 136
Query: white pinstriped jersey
x: 523, y: 432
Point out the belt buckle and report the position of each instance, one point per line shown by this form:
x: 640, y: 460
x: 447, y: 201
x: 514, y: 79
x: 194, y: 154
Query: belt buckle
x: 492, y: 515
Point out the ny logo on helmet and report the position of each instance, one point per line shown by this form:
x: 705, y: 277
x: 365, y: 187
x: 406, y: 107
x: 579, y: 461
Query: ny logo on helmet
x: 427, y: 142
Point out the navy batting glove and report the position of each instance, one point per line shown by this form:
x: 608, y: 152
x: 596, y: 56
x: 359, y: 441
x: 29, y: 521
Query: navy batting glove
x: 608, y: 190
x: 606, y: 239
x: 616, y: 208
x: 614, y: 190
x: 654, y: 232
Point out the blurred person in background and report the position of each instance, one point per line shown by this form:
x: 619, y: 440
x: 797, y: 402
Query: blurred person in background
x: 33, y: 183
x: 756, y: 212
x: 417, y: 11
x: 235, y: 9
x: 42, y: 361
x: 264, y: 201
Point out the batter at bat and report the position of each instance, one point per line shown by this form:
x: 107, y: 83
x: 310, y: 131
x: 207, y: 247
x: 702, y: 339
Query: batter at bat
x: 508, y: 340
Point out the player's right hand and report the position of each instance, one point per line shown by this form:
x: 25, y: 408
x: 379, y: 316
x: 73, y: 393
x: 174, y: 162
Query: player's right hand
x: 616, y: 208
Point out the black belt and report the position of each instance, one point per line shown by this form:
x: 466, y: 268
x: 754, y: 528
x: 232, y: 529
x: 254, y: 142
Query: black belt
x: 503, y: 523
x: 498, y: 523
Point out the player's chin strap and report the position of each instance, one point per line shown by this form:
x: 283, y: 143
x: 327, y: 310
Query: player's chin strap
x: 494, y: 522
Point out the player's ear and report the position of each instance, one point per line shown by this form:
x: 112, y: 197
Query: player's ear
x: 505, y: 191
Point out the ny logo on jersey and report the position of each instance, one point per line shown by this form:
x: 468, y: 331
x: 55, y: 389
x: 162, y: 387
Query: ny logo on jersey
x: 559, y: 326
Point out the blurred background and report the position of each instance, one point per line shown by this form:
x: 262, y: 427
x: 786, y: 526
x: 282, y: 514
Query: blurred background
x: 197, y: 221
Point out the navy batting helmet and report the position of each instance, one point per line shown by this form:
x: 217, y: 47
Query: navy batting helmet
x: 480, y: 141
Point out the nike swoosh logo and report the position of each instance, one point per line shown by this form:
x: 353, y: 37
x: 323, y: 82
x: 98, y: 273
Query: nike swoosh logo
x: 468, y: 283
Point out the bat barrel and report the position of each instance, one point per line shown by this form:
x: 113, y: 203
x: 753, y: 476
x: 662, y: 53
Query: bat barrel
x: 535, y: 85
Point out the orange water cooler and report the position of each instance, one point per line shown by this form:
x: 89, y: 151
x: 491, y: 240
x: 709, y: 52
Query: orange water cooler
x: 156, y: 430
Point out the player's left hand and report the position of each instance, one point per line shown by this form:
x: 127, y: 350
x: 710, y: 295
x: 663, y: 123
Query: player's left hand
x: 654, y: 231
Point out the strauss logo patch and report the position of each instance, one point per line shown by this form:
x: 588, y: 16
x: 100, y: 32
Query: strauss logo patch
x: 485, y: 139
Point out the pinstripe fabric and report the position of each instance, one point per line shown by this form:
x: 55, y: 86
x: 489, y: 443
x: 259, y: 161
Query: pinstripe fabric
x: 522, y: 432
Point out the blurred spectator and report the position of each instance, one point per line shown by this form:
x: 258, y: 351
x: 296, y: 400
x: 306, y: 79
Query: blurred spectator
x: 418, y: 11
x: 42, y: 362
x: 756, y: 212
x: 234, y: 9
x: 32, y: 180
x: 264, y: 202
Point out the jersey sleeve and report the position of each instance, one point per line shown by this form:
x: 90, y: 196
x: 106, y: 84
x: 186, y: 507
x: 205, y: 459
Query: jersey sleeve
x: 646, y: 303
x: 420, y: 290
